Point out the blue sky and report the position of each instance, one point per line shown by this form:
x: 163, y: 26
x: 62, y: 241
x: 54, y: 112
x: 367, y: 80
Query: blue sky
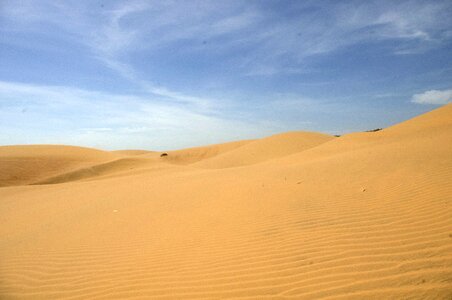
x: 173, y: 74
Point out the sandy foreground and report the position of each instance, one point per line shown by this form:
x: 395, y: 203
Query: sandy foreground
x: 298, y: 215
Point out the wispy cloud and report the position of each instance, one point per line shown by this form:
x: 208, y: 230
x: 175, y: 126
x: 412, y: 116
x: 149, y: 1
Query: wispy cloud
x: 270, y: 43
x: 116, y: 38
x: 411, y: 26
x: 109, y: 36
x: 434, y: 97
x: 91, y: 118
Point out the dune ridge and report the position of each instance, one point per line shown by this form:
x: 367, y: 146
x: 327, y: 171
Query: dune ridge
x: 196, y: 154
x: 306, y: 216
x: 265, y: 149
x: 26, y: 164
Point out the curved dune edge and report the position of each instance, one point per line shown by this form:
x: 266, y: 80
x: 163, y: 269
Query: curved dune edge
x: 117, y: 166
x: 265, y: 149
x: 66, y: 163
x: 196, y: 154
x: 364, y: 216
x: 52, y: 164
x: 26, y: 164
x: 132, y: 152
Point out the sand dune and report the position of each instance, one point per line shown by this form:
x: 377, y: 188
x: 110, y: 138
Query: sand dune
x: 132, y: 152
x: 116, y: 167
x: 30, y: 163
x: 196, y: 154
x: 294, y: 216
x: 266, y: 149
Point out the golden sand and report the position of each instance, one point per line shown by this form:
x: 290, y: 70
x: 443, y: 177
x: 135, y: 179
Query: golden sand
x: 294, y: 216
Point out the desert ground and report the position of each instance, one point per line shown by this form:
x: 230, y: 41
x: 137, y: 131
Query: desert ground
x: 298, y: 215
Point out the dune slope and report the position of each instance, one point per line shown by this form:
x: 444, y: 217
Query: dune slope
x: 363, y: 216
x: 196, y: 154
x: 117, y: 167
x: 30, y: 163
x: 272, y: 147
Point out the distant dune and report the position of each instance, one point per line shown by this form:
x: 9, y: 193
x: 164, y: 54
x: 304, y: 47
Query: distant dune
x: 132, y: 152
x: 298, y: 215
x: 266, y: 149
x: 29, y: 163
x: 196, y: 154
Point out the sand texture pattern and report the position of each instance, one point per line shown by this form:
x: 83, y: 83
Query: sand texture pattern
x: 299, y: 215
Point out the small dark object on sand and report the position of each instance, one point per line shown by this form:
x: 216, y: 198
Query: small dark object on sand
x: 163, y: 154
x: 374, y: 130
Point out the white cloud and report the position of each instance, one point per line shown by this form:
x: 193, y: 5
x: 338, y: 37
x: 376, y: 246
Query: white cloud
x: 434, y: 97
x: 110, y: 36
x: 117, y: 31
x: 66, y: 115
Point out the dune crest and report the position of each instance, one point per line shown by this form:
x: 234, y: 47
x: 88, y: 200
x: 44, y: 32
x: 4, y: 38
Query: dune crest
x: 272, y: 147
x: 293, y: 216
x: 132, y: 152
x: 26, y: 164
x: 193, y: 155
